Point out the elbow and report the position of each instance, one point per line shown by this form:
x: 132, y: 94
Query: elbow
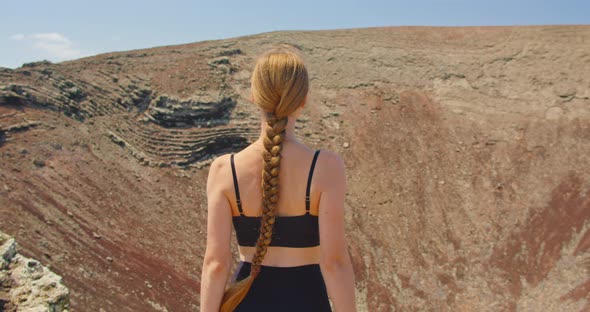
x: 216, y: 266
x: 337, y: 263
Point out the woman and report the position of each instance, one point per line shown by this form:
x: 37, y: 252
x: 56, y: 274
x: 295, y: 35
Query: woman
x: 283, y: 267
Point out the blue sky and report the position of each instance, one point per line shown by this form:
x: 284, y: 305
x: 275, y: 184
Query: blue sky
x: 60, y: 30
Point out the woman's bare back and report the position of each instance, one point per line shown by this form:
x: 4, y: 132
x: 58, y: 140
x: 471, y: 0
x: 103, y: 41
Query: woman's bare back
x: 296, y: 159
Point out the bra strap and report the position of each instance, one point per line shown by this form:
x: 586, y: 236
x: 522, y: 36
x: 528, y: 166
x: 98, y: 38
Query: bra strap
x: 307, y: 198
x: 237, y: 190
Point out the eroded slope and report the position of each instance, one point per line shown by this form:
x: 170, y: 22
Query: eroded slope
x: 466, y: 153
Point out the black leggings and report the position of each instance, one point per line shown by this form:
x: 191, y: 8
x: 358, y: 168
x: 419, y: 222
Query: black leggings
x: 298, y: 288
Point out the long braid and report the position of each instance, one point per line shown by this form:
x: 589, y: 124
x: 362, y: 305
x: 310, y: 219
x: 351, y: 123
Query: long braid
x: 273, y: 143
x: 279, y: 87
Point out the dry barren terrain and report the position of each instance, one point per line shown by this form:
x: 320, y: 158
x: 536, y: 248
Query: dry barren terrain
x: 467, y: 154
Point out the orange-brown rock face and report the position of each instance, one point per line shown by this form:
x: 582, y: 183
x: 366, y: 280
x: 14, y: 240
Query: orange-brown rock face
x: 466, y: 152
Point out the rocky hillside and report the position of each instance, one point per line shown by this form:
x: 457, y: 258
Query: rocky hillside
x: 466, y: 152
x: 26, y: 285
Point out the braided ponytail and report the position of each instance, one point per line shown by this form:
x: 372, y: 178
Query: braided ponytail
x: 279, y: 86
x: 273, y: 143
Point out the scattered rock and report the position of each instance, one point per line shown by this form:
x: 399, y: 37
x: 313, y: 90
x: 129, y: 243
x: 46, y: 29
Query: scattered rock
x: 230, y: 52
x: 37, y: 64
x: 221, y: 61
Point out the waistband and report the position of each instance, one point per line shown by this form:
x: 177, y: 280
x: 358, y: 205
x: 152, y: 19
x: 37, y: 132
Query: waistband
x: 277, y: 274
x: 270, y: 268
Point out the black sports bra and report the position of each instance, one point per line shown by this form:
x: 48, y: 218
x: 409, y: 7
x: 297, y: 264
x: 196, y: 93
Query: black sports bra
x: 288, y: 231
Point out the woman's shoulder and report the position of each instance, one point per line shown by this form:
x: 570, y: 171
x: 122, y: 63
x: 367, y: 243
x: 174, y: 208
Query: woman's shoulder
x: 329, y: 169
x: 330, y: 159
x: 219, y: 167
x: 219, y: 175
x: 220, y: 162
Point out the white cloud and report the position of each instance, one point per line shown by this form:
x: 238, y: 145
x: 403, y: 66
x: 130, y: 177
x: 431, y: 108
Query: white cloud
x: 53, y: 46
x: 17, y: 37
x: 51, y: 37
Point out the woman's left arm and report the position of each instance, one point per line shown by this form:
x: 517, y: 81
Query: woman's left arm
x: 217, y: 260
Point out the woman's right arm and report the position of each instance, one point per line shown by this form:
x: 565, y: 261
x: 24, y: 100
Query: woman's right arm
x: 217, y: 260
x: 335, y: 260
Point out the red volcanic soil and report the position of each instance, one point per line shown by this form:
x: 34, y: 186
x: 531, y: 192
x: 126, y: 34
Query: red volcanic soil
x: 466, y: 153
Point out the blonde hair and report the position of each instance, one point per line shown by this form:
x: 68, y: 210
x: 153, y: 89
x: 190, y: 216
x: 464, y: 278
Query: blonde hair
x: 279, y: 86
